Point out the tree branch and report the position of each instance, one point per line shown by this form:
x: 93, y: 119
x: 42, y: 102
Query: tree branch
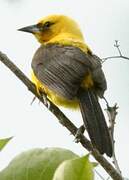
x: 61, y: 118
x: 116, y: 57
x: 112, y: 112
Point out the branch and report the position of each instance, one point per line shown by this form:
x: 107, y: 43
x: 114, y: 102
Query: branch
x: 61, y: 118
x: 116, y: 57
x: 112, y: 112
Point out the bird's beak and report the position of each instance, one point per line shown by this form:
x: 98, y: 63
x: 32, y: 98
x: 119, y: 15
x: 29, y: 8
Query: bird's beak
x: 30, y: 29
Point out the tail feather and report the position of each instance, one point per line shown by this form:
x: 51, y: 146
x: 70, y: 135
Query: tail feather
x: 94, y: 121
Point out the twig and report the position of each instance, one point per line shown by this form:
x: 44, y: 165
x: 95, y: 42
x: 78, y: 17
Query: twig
x: 62, y: 118
x: 117, y: 46
x: 112, y: 112
x: 116, y: 57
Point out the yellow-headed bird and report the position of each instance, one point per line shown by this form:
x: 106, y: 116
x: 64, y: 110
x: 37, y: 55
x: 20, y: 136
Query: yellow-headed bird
x: 69, y: 73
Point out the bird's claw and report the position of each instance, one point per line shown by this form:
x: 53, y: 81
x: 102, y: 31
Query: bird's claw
x: 45, y: 100
x: 34, y: 98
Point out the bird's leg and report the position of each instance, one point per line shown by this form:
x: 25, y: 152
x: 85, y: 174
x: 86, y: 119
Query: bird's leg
x: 43, y: 95
x: 80, y: 131
x: 39, y: 92
x: 34, y: 98
x: 45, y: 100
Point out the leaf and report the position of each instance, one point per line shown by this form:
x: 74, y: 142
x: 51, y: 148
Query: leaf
x: 3, y: 142
x: 95, y: 164
x: 75, y: 169
x: 36, y: 164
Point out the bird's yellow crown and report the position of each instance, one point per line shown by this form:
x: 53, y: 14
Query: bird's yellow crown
x: 59, y: 27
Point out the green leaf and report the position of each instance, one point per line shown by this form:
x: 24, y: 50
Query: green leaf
x: 95, y: 164
x: 3, y: 142
x: 36, y: 164
x: 75, y: 169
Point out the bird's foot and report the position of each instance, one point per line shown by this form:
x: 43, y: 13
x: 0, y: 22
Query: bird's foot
x: 79, y: 132
x: 34, y: 98
x: 45, y: 100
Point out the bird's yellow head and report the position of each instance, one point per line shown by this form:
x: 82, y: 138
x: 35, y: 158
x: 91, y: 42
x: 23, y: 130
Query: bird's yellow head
x: 54, y: 27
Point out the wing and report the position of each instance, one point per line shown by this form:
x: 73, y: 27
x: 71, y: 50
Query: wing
x: 61, y: 68
x: 100, y: 84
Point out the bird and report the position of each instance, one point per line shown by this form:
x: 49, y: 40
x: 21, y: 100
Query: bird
x: 70, y: 74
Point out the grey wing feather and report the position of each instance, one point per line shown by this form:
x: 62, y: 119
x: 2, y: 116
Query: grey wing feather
x: 62, y: 68
x: 98, y: 75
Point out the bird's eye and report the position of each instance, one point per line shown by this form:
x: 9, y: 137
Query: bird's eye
x: 44, y: 26
x: 47, y: 24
